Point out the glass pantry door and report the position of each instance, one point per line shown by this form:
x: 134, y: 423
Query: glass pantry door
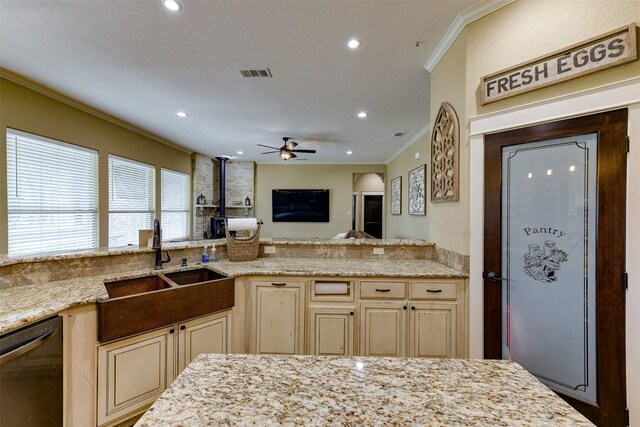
x: 549, y: 224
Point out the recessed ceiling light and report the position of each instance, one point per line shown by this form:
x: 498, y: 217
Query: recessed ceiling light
x: 349, y: 152
x: 572, y: 168
x: 353, y: 43
x: 181, y: 114
x: 172, y: 5
x: 240, y: 152
x: 362, y: 114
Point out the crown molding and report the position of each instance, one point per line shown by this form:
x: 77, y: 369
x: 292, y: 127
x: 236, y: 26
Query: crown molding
x: 417, y: 136
x: 37, y: 87
x: 462, y: 20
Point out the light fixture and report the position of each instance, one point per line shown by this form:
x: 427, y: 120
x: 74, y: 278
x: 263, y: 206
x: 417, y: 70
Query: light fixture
x: 353, y: 43
x: 181, y: 114
x: 362, y: 114
x: 240, y: 152
x: 349, y: 153
x: 530, y: 175
x: 572, y: 168
x: 172, y: 5
x: 285, y: 154
x: 549, y: 171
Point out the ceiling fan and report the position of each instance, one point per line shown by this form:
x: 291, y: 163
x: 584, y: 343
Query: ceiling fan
x: 288, y: 150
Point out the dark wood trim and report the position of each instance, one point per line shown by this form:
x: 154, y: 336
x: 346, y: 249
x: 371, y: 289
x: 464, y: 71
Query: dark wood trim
x: 610, y: 258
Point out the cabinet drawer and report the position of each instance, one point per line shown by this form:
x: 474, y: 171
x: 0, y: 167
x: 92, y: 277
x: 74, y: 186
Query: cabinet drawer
x: 382, y: 290
x: 433, y: 290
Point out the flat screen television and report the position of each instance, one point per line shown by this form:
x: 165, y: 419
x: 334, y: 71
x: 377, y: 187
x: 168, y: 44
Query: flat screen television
x: 300, y: 205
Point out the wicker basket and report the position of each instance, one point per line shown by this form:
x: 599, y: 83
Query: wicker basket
x: 243, y: 249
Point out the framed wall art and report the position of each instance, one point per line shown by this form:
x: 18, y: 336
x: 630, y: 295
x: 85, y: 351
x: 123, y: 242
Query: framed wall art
x: 396, y: 196
x: 417, y: 190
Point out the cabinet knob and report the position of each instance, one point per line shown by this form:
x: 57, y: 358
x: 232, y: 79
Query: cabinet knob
x: 404, y: 307
x: 183, y: 327
x: 171, y: 330
x: 413, y: 307
x: 351, y: 313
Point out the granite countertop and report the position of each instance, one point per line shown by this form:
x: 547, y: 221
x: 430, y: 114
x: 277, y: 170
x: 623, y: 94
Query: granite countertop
x: 21, y: 305
x: 317, y: 391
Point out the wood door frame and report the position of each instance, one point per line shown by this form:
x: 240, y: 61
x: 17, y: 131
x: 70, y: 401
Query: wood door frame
x: 610, y: 257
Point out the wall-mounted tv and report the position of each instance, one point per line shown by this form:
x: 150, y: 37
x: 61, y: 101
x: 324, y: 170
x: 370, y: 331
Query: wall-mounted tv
x: 300, y: 205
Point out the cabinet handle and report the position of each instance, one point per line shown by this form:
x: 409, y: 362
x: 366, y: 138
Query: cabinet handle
x: 434, y: 291
x: 171, y: 330
x: 383, y: 290
x: 413, y: 307
x: 278, y: 284
x: 351, y: 313
x: 183, y: 327
x: 404, y: 307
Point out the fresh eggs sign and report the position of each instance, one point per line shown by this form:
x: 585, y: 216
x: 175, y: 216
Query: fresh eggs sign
x: 607, y: 50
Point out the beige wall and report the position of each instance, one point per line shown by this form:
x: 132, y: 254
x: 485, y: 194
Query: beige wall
x: 449, y: 221
x: 337, y: 178
x: 405, y: 226
x: 29, y: 111
x: 526, y: 29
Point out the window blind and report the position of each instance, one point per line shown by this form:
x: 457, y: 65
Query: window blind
x: 131, y: 200
x: 175, y: 205
x: 52, y: 195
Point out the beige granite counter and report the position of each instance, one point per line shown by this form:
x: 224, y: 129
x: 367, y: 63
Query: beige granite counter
x: 319, y: 391
x: 22, y: 305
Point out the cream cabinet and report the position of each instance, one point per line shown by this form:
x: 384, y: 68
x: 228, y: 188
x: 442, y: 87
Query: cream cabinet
x: 278, y: 310
x: 423, y: 318
x: 383, y: 327
x: 432, y: 329
x: 133, y: 372
x: 331, y: 331
x: 209, y: 334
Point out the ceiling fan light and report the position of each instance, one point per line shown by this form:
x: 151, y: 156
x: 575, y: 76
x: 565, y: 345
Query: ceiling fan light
x: 285, y: 155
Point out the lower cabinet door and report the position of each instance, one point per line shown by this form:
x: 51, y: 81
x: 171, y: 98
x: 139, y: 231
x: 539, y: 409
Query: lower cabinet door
x: 278, y: 317
x: 331, y: 331
x: 209, y: 334
x: 432, y: 329
x: 383, y: 328
x: 133, y: 372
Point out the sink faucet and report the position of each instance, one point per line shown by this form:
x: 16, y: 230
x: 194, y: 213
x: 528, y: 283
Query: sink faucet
x: 158, y: 246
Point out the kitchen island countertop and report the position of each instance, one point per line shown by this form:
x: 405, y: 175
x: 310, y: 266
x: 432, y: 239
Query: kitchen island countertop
x: 316, y: 390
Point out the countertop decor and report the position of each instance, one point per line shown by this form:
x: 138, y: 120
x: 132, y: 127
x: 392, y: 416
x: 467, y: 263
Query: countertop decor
x: 318, y: 390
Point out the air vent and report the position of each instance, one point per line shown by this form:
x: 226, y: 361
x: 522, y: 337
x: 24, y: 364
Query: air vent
x: 399, y: 134
x: 256, y: 73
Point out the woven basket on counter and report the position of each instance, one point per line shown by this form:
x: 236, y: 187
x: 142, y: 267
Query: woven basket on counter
x: 243, y: 249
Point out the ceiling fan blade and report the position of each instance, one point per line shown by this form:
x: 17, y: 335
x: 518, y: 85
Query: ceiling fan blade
x: 304, y: 151
x: 270, y: 152
x: 293, y: 156
x: 291, y: 145
x: 268, y: 146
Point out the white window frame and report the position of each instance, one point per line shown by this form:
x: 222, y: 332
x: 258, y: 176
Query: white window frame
x: 112, y: 211
x: 51, y: 236
x: 164, y: 210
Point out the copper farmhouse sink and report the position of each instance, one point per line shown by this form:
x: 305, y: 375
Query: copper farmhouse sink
x: 145, y: 303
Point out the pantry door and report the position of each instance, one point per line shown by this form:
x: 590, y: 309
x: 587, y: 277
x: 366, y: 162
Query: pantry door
x: 554, y: 282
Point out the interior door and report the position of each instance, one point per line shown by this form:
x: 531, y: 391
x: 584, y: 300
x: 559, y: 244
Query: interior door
x: 372, y: 211
x: 554, y: 258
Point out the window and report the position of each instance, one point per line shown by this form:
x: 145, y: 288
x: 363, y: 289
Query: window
x: 52, y: 195
x: 131, y: 200
x: 175, y: 205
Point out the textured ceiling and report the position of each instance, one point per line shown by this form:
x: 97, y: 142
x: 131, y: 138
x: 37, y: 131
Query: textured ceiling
x: 139, y: 62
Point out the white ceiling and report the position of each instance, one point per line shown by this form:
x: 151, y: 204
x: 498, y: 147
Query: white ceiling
x: 141, y: 63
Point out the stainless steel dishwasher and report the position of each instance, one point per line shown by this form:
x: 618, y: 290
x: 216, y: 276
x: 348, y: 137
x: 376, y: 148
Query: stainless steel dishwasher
x: 31, y: 375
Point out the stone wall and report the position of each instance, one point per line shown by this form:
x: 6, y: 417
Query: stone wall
x: 239, y: 186
x: 202, y: 182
